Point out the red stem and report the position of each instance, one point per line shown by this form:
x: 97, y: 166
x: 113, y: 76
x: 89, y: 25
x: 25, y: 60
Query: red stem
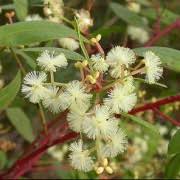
x: 165, y: 117
x: 156, y: 104
x: 163, y: 32
x: 25, y: 164
x: 99, y: 48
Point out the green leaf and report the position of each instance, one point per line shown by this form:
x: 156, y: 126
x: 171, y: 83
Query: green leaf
x: 24, y: 33
x: 8, y: 93
x: 168, y: 56
x: 69, y: 54
x: 21, y: 122
x: 167, y: 16
x: 173, y: 167
x: 128, y: 16
x: 30, y: 61
x: 3, y: 159
x: 21, y: 8
x: 174, y: 144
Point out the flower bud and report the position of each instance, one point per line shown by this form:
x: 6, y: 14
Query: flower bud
x: 47, y: 11
x: 98, y: 37
x: 84, y: 63
x: 109, y: 170
x: 99, y: 170
x: 78, y: 64
x: 93, y: 40
x: 96, y: 75
x: 105, y: 162
x: 91, y: 79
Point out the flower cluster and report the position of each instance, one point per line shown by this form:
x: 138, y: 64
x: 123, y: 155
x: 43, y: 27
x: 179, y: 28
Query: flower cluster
x: 136, y: 33
x: 53, y: 10
x: 90, y: 114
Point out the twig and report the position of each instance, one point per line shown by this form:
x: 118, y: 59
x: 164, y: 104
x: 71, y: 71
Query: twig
x: 157, y: 24
x: 156, y: 104
x: 163, y: 32
x: 59, y: 134
x: 90, y: 4
x: 99, y: 48
x: 164, y: 116
x: 43, y: 118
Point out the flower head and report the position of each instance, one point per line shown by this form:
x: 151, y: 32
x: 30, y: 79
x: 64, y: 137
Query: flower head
x: 69, y: 43
x: 33, y: 86
x: 153, y: 66
x: 138, y: 33
x: 115, y: 144
x: 120, y: 55
x: 53, y: 9
x: 129, y: 84
x: 76, y: 118
x: 100, y: 123
x: 135, y: 7
x: 121, y: 99
x: 49, y: 62
x: 76, y: 96
x: 54, y: 100
x: 117, y: 57
x: 80, y: 158
x: 99, y: 63
x: 116, y: 71
x: 84, y: 19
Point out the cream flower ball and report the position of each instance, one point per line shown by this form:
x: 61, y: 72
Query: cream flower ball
x: 33, y: 87
x: 153, y: 67
x: 49, y: 62
x: 80, y: 158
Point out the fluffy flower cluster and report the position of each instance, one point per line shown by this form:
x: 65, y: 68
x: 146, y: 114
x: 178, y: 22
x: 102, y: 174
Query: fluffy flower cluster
x: 153, y: 65
x: 89, y: 114
x: 69, y: 43
x: 84, y: 19
x: 138, y: 34
x: 53, y: 9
